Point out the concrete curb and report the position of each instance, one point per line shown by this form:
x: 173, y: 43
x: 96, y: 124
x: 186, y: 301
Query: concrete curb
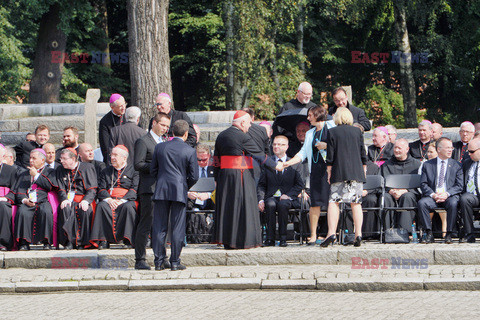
x: 333, y: 285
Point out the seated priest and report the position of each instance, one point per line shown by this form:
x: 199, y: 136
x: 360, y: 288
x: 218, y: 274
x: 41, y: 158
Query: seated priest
x: 116, y: 210
x: 8, y: 175
x: 401, y: 163
x: 34, y: 216
x: 77, y: 183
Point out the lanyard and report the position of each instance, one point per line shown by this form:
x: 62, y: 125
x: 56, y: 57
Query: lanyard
x: 70, y: 182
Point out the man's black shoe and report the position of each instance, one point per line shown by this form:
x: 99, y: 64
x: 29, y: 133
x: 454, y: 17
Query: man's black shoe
x: 177, y: 267
x: 80, y: 247
x: 469, y: 238
x: 68, y: 246
x: 24, y: 247
x: 429, y: 237
x: 103, y: 245
x: 142, y: 265
x: 164, y: 265
x: 283, y: 243
x: 269, y: 243
x: 47, y: 246
x: 2, y: 248
x: 448, y: 238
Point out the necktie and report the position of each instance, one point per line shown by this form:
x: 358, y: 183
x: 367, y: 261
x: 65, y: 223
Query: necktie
x: 279, y: 160
x: 441, y: 179
x: 475, y: 180
x: 204, y: 173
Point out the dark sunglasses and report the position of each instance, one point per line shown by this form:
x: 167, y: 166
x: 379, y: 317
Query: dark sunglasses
x: 473, y: 151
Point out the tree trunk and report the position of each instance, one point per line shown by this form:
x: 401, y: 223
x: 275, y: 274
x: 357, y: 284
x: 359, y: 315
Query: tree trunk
x: 230, y: 48
x: 276, y: 80
x: 104, y: 45
x: 299, y: 23
x: 406, y: 72
x: 49, y: 59
x: 148, y: 53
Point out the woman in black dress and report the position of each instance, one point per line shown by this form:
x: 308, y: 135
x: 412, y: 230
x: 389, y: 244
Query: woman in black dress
x: 314, y: 149
x: 346, y: 167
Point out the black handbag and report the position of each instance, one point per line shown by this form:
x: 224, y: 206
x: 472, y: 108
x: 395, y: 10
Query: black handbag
x: 396, y: 235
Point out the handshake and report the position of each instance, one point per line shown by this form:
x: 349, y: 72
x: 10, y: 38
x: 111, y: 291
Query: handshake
x: 281, y: 165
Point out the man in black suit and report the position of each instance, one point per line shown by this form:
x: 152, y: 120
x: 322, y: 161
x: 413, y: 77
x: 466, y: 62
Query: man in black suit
x: 70, y: 140
x: 164, y: 104
x: 128, y: 133
x: 202, y: 200
x: 260, y: 137
x: 278, y: 192
x: 42, y: 135
x: 460, y: 148
x: 174, y: 165
x: 144, y: 148
x: 442, y: 183
x: 340, y: 99
x: 111, y: 120
x: 470, y: 199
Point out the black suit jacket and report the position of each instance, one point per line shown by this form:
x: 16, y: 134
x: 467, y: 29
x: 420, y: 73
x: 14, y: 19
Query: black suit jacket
x: 180, y: 115
x: 289, y: 182
x: 466, y: 165
x: 357, y: 113
x: 144, y: 148
x: 175, y: 167
x: 453, y: 177
x: 23, y: 152
x: 126, y: 135
x: 260, y: 137
x: 108, y: 122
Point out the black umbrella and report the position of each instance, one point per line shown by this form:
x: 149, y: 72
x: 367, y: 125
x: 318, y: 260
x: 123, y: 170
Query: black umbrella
x: 287, y: 121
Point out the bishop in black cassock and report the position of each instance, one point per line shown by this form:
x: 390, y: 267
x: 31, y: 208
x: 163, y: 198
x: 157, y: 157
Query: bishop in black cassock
x: 8, y: 176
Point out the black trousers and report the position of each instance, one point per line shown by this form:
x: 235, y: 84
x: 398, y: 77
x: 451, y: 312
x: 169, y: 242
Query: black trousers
x: 144, y: 225
x: 371, y: 223
x: 163, y: 211
x: 468, y: 201
x: 427, y: 204
x: 403, y: 219
x: 272, y: 206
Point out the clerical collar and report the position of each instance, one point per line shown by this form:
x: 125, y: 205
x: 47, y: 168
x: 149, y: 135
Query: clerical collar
x: 121, y: 167
x: 157, y: 138
x: 119, y: 116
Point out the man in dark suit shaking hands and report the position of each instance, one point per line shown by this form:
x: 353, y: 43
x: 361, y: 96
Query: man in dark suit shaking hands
x: 144, y: 148
x: 175, y: 167
x: 442, y: 183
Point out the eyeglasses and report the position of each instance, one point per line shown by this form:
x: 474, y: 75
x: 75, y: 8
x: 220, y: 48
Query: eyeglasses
x: 473, y: 151
x: 306, y: 94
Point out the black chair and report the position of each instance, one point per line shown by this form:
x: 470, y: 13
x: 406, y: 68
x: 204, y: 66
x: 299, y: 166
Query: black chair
x: 401, y: 181
x: 373, y: 182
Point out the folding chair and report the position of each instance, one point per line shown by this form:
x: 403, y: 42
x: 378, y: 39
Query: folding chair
x: 202, y: 185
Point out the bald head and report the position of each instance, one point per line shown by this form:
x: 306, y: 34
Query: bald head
x: 50, y: 151
x: 400, y: 149
x: 304, y: 92
x: 474, y: 145
x: 437, y: 131
x: 85, y: 151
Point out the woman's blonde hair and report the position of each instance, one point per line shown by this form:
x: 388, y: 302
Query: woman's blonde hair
x: 343, y: 116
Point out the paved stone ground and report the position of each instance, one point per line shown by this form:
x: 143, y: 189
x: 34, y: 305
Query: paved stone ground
x: 243, y: 305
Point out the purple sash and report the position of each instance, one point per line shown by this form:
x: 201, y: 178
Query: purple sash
x: 53, y: 200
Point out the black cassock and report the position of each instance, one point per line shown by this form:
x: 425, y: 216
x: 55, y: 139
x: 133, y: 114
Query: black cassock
x: 114, y: 226
x: 73, y: 222
x: 35, y: 224
x: 8, y: 175
x: 237, y: 219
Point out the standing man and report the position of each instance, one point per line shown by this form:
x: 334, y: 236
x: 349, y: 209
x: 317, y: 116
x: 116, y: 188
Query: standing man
x: 112, y: 119
x: 127, y: 134
x: 42, y: 135
x: 392, y: 133
x: 115, y: 213
x: 259, y: 136
x: 278, y: 192
x: 340, y: 99
x: 50, y: 154
x: 164, y: 104
x: 442, y: 183
x: 382, y: 149
x: 145, y: 146
x: 77, y: 183
x: 470, y: 199
x: 85, y: 151
x: 437, y: 131
x: 175, y: 167
x: 418, y: 148
x: 70, y: 140
x: 237, y: 222
x: 460, y: 148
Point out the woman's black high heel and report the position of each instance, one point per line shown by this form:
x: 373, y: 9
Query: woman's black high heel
x: 328, y: 241
x: 358, y: 241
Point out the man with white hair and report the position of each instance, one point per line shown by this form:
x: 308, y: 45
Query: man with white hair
x: 34, y: 217
x: 111, y: 120
x: 419, y: 148
x: 460, y: 148
x: 128, y: 133
x: 392, y: 133
x: 116, y: 210
x: 382, y: 149
x: 10, y: 159
x: 8, y: 176
x: 302, y: 98
x: 237, y: 222
x: 164, y: 104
